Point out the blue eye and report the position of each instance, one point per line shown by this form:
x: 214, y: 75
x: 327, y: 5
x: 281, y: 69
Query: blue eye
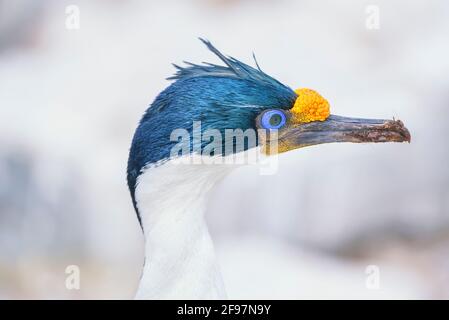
x: 273, y: 119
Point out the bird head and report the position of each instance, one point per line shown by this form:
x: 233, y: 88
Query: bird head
x: 238, y: 96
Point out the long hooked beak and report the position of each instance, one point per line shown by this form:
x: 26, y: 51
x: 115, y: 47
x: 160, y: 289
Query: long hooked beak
x: 343, y: 129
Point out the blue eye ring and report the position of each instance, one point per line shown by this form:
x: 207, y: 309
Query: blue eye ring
x: 273, y: 119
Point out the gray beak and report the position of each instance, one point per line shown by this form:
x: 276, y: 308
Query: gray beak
x: 344, y: 129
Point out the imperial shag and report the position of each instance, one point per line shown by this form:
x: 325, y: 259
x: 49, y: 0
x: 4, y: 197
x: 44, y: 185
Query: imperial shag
x: 169, y: 193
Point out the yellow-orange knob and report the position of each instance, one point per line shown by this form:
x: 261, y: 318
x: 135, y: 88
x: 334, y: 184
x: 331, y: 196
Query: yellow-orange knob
x: 310, y: 106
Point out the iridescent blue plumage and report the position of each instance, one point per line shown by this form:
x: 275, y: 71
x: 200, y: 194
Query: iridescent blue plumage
x: 221, y: 97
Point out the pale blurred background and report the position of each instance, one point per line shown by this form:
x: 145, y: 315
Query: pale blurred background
x: 70, y: 100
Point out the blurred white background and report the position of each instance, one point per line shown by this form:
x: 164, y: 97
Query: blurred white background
x: 70, y: 100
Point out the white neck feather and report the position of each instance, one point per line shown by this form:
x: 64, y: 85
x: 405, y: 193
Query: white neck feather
x: 179, y: 255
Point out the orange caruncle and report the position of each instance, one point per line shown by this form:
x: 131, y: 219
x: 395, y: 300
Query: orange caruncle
x: 309, y: 106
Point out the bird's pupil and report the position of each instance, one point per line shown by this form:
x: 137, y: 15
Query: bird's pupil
x: 275, y: 120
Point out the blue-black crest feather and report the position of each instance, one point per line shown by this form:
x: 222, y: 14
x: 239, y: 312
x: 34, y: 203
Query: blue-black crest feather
x: 233, y: 69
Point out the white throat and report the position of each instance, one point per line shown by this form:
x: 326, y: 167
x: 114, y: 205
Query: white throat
x: 179, y: 255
